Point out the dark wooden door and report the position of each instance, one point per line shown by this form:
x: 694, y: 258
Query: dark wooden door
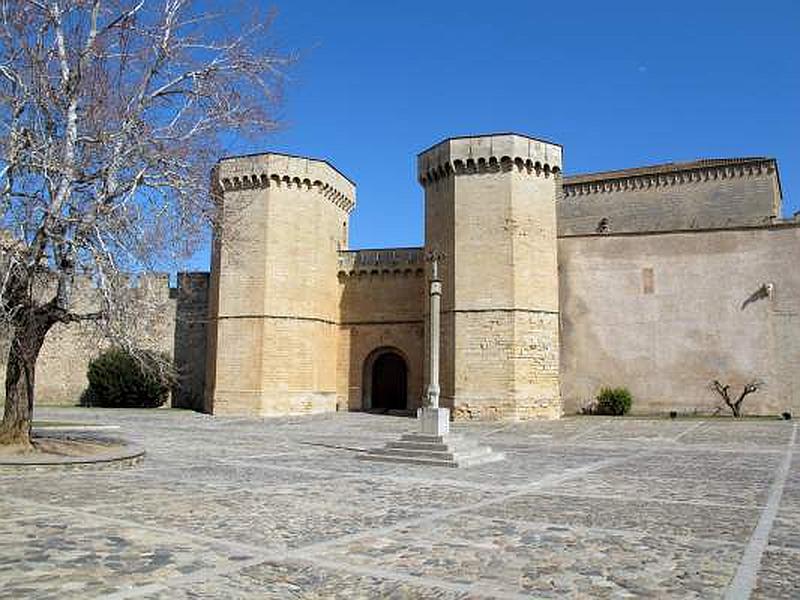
x: 389, y: 375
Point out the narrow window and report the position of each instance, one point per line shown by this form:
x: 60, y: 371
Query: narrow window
x: 648, y: 281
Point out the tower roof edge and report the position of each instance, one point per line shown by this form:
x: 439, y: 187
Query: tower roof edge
x: 467, y: 153
x: 488, y: 135
x: 268, y: 153
x: 247, y: 171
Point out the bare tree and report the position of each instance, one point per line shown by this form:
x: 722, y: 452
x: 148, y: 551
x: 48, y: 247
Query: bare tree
x: 736, y: 406
x: 113, y: 113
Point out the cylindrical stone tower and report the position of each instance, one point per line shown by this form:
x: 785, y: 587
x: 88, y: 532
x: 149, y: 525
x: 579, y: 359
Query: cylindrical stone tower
x: 490, y: 210
x: 274, y: 292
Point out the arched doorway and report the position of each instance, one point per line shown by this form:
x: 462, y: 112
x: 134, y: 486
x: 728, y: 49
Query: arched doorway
x: 388, y: 382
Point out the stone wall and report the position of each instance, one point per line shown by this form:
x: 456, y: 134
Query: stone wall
x: 173, y: 323
x: 700, y: 195
x: 189, y: 340
x: 666, y: 313
x: 382, y: 307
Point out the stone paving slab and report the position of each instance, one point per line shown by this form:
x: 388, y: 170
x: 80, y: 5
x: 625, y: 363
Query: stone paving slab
x: 703, y: 467
x: 549, y: 560
x: 676, y: 489
x: 611, y: 430
x: 273, y: 580
x: 87, y: 489
x: 753, y: 434
x: 786, y: 529
x: 233, y: 475
x: 67, y: 556
x: 379, y: 494
x: 282, y: 508
x: 12, y: 509
x: 273, y: 523
x: 678, y: 519
x: 779, y: 577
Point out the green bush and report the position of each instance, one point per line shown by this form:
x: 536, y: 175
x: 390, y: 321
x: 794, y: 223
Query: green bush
x: 613, y: 401
x: 117, y: 379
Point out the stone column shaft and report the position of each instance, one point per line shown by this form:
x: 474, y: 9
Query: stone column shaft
x: 436, y: 300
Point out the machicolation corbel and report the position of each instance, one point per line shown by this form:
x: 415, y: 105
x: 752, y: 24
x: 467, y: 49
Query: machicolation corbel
x: 289, y: 172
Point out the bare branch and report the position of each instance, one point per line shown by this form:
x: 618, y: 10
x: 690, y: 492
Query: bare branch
x: 112, y: 115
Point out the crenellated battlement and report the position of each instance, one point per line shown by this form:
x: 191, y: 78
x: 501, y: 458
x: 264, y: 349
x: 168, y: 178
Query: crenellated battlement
x: 396, y: 261
x: 150, y: 283
x: 489, y: 154
x: 668, y: 175
x: 281, y: 170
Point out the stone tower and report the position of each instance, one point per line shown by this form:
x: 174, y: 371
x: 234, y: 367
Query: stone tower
x: 490, y: 210
x: 274, y: 292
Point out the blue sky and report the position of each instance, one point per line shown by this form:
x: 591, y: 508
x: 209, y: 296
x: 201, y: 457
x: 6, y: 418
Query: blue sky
x: 618, y: 84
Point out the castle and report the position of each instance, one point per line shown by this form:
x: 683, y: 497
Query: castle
x: 660, y: 279
x: 552, y: 286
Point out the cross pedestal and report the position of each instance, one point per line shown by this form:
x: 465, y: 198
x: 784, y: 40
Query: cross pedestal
x: 434, y: 445
x: 434, y: 421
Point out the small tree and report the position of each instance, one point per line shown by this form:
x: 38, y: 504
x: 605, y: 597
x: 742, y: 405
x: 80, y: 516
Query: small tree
x: 736, y: 405
x: 113, y: 113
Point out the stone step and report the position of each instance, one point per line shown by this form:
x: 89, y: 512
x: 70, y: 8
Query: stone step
x: 453, y: 461
x: 425, y: 438
x: 418, y: 446
x: 415, y: 460
x: 470, y: 453
x: 433, y: 447
x: 489, y: 457
x: 442, y: 454
x: 445, y: 451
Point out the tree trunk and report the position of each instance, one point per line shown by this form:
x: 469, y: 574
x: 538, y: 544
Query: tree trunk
x: 20, y: 378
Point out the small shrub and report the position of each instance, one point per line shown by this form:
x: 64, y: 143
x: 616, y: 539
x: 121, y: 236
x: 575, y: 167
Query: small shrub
x: 613, y: 401
x: 117, y: 379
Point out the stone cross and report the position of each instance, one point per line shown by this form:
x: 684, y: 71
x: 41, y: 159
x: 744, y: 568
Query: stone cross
x: 434, y: 421
x: 436, y: 301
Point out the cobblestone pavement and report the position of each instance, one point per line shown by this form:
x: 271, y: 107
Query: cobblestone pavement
x: 582, y: 507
